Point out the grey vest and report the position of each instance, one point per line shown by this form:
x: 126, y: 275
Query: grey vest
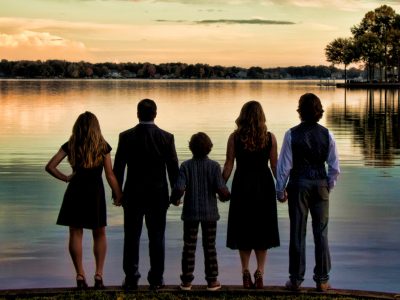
x: 310, y: 148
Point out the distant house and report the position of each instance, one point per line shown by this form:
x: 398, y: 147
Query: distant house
x: 241, y: 74
x: 114, y: 74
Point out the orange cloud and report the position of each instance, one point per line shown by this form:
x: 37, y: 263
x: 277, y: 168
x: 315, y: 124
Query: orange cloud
x: 39, y: 45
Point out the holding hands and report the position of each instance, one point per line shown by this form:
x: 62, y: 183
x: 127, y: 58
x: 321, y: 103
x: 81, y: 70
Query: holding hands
x: 282, y: 198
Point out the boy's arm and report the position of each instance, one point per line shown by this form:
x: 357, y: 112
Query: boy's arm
x: 179, y: 187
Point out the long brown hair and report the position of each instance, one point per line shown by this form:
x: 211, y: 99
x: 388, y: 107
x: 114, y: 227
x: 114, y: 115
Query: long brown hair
x: 86, y: 144
x: 251, y: 127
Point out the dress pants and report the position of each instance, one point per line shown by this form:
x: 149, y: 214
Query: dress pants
x: 155, y: 219
x: 306, y: 196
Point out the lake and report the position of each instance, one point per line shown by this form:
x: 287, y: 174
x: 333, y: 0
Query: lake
x: 36, y: 118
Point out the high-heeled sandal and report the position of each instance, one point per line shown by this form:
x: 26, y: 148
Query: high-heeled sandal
x: 247, y: 283
x: 258, y: 280
x: 81, y: 282
x: 98, y: 282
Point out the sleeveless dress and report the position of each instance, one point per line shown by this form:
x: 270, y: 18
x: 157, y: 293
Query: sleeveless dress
x: 252, y: 219
x: 84, y: 203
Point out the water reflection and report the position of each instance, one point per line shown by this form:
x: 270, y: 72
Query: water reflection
x: 36, y: 117
x: 373, y: 126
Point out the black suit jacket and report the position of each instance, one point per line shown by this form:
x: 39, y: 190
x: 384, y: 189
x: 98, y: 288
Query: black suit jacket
x: 149, y: 153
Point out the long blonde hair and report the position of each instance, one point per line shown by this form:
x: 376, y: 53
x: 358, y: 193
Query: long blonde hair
x: 86, y: 144
x: 251, y: 127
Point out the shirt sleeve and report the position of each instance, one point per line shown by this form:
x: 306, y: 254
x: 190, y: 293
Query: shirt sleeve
x: 333, y: 162
x: 108, y: 148
x: 222, y: 189
x: 285, y: 164
x: 219, y: 181
x: 180, y: 183
x: 65, y: 147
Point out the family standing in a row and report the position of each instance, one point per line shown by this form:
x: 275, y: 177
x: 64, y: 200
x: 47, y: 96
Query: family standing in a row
x: 148, y: 153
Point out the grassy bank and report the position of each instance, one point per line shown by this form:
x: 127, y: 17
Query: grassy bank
x: 198, y: 293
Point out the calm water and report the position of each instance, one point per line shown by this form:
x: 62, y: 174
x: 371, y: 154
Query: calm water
x: 36, y: 117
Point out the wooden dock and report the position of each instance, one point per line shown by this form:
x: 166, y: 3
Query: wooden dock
x: 369, y: 85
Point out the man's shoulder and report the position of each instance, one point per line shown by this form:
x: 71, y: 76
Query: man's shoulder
x: 127, y: 132
x: 162, y: 131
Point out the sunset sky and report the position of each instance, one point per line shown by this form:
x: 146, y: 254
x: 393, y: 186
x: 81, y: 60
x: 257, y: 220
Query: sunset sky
x: 266, y: 33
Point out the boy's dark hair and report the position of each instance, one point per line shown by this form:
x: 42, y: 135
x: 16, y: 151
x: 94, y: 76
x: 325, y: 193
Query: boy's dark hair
x: 310, y: 108
x: 146, y: 110
x: 200, y: 144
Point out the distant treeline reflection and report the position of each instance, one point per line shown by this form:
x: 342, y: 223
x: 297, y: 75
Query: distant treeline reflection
x: 374, y: 126
x: 76, y: 70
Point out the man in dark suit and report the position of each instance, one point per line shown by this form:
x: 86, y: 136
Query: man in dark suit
x: 149, y: 153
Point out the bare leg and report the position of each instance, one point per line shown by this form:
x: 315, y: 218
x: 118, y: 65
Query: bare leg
x: 244, y: 259
x: 99, y: 248
x: 75, y: 249
x: 261, y: 257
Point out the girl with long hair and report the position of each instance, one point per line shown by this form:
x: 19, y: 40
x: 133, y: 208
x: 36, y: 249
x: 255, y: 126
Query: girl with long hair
x: 84, y: 204
x: 252, y: 219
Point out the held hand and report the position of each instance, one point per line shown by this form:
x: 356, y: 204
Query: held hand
x: 176, y: 203
x: 284, y: 199
x: 117, y: 200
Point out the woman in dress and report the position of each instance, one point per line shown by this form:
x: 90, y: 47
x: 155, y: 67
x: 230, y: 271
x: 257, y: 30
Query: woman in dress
x: 252, y: 220
x: 84, y: 204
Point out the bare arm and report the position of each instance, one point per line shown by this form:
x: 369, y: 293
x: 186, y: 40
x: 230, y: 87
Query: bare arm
x: 230, y: 158
x: 273, y: 155
x: 52, y: 169
x: 112, y: 180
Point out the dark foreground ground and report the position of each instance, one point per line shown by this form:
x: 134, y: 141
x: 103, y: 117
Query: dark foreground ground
x: 197, y: 293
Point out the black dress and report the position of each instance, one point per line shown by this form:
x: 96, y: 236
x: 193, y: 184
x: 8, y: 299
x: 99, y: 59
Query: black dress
x: 84, y: 203
x: 252, y: 220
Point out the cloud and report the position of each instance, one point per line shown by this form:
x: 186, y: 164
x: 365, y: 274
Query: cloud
x: 40, y: 45
x: 249, y: 21
x: 233, y: 21
x: 36, y: 39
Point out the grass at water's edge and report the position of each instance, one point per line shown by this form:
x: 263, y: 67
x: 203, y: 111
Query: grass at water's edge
x: 234, y: 293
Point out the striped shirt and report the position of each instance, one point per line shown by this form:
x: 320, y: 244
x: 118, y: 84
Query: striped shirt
x: 201, y: 180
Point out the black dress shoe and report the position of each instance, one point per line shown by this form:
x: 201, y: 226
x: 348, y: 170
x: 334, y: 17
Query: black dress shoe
x: 156, y: 287
x: 128, y: 285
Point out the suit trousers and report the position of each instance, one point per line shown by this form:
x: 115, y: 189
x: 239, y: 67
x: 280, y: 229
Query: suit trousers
x: 155, y: 220
x: 306, y: 196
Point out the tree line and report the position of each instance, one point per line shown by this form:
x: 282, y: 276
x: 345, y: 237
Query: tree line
x: 375, y: 42
x: 77, y: 70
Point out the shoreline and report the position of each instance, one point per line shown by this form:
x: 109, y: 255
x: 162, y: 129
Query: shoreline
x: 198, y: 290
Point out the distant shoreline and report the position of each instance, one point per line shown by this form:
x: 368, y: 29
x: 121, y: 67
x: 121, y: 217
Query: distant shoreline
x: 176, y: 70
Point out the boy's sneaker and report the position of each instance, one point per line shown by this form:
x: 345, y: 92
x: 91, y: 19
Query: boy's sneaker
x: 323, y: 286
x: 213, y: 285
x: 185, y: 286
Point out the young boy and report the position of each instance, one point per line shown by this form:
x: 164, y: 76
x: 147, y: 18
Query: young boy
x: 200, y: 180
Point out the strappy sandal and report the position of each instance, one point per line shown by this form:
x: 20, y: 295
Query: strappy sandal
x: 247, y: 283
x: 258, y: 280
x: 98, y: 282
x: 81, y: 282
